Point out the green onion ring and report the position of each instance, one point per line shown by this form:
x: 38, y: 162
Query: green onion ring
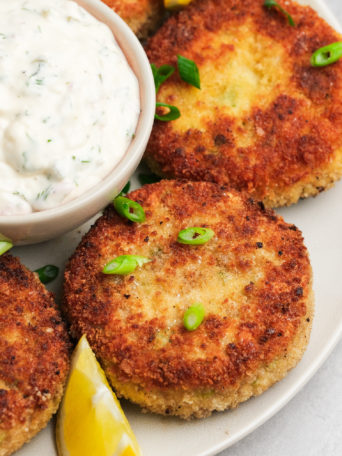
x: 327, y: 55
x: 173, y: 114
x: 124, y: 264
x: 161, y: 74
x: 129, y: 209
x: 4, y: 246
x: 195, y: 236
x: 193, y: 317
x: 273, y: 3
x: 47, y: 273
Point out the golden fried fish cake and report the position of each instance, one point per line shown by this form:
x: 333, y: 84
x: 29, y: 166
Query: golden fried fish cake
x: 265, y: 121
x: 34, y: 355
x: 253, y: 279
x: 143, y: 16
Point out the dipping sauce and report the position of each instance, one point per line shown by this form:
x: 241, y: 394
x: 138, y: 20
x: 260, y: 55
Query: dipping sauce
x: 69, y: 103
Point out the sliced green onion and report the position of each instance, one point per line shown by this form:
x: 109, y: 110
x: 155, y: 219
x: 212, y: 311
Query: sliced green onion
x: 47, y: 273
x: 129, y: 209
x: 125, y: 189
x: 274, y: 4
x: 327, y: 55
x: 195, y: 236
x: 193, y: 317
x: 148, y: 178
x: 173, y: 113
x: 124, y: 264
x: 4, y: 246
x: 188, y: 71
x: 161, y: 74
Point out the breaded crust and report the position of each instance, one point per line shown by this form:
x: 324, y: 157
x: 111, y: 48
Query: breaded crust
x: 265, y: 120
x: 253, y: 278
x: 143, y: 16
x: 34, y: 355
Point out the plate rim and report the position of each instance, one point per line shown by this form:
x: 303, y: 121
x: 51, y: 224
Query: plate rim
x: 321, y: 7
x: 283, y: 400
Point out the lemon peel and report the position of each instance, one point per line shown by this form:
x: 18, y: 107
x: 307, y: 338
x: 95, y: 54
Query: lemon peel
x: 175, y: 4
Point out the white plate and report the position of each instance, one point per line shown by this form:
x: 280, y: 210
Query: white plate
x: 320, y: 220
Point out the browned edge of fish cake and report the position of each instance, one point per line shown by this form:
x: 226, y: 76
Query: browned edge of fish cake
x: 34, y: 355
x: 265, y: 121
x: 143, y: 16
x: 254, y: 279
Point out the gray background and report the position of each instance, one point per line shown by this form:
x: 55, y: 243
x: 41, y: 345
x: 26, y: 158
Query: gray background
x: 311, y: 424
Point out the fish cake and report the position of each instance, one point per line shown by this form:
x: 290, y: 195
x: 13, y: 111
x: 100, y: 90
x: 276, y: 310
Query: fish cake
x: 253, y: 279
x: 34, y: 355
x: 265, y: 121
x: 143, y: 16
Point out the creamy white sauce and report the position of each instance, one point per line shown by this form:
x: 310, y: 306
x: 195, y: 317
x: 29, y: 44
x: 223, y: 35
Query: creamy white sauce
x: 69, y: 103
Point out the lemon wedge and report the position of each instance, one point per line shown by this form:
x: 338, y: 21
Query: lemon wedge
x: 90, y: 421
x: 175, y: 4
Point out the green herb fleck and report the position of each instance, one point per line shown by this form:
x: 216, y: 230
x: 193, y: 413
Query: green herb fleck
x: 43, y: 195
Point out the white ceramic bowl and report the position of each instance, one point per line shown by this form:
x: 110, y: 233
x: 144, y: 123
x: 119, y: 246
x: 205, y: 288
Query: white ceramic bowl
x: 41, y: 226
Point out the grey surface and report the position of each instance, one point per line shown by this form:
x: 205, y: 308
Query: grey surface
x: 311, y: 424
x: 336, y: 7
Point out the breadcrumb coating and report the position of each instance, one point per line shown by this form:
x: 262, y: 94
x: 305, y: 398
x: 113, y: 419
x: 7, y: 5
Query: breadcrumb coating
x: 265, y: 121
x: 34, y: 355
x: 253, y: 279
x: 143, y: 16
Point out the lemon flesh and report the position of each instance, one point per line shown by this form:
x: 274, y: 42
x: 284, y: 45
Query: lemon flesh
x: 90, y: 420
x: 175, y: 4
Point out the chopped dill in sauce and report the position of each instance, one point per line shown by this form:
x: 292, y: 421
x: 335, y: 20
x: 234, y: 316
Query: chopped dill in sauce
x: 57, y: 135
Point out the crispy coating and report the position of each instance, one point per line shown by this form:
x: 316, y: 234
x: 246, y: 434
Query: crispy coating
x: 253, y: 278
x: 34, y: 355
x: 264, y: 121
x: 143, y: 16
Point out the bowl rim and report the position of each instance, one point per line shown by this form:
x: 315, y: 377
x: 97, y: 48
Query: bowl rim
x: 128, y: 43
